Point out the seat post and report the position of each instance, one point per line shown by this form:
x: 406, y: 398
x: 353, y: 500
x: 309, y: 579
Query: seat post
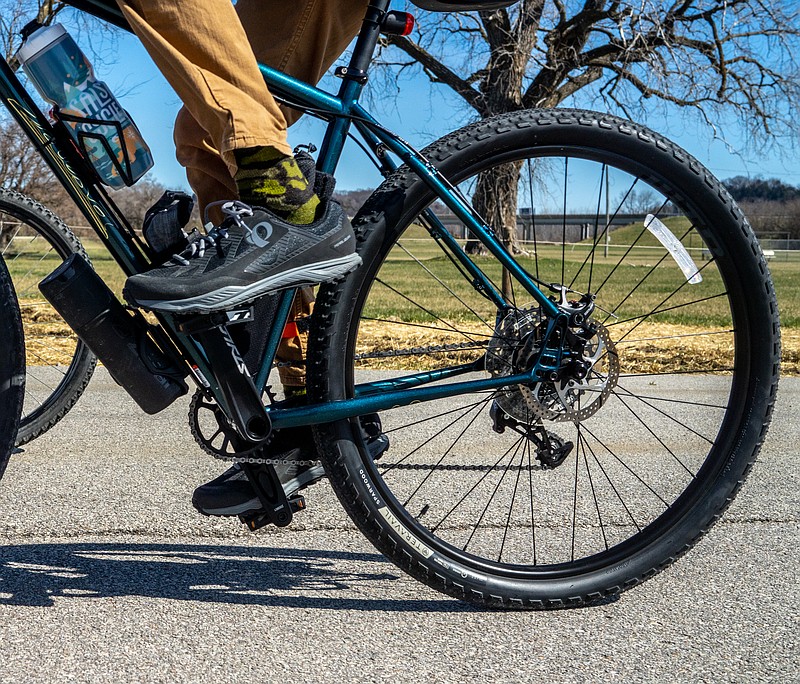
x: 367, y: 40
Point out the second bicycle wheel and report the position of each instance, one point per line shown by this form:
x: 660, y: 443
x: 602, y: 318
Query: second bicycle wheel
x: 34, y: 242
x: 568, y: 490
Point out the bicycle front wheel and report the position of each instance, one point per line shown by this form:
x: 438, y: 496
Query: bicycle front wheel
x: 34, y: 242
x: 569, y: 490
x: 12, y: 367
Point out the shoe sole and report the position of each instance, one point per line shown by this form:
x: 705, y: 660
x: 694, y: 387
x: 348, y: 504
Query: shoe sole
x: 290, y: 488
x: 303, y: 480
x: 252, y: 505
x: 234, y: 295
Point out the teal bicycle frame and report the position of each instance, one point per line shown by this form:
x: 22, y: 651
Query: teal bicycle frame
x: 342, y: 111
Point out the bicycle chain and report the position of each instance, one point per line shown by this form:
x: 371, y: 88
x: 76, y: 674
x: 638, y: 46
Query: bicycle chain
x: 194, y: 428
x: 432, y: 349
x: 420, y: 350
x: 456, y: 467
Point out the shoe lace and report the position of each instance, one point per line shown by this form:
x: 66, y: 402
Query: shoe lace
x: 234, y: 212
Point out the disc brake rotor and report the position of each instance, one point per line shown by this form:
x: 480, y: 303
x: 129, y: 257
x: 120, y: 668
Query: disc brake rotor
x: 573, y: 396
x: 575, y: 399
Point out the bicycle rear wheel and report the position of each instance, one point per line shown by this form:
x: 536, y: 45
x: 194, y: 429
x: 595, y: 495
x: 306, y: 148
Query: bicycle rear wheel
x: 34, y: 242
x: 566, y: 491
x: 12, y: 367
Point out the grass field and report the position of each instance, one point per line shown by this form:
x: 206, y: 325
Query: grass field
x: 49, y: 340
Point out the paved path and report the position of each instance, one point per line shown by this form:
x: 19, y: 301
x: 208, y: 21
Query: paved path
x: 107, y: 575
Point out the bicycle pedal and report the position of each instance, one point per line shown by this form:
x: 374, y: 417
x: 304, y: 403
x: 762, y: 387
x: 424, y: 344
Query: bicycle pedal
x: 257, y: 519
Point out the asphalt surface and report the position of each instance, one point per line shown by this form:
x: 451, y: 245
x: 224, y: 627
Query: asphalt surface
x: 108, y: 575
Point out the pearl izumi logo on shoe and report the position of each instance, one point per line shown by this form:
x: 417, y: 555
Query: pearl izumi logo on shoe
x: 260, y: 234
x: 342, y: 241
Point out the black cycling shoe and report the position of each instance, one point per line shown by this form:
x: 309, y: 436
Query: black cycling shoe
x: 252, y: 253
x: 232, y: 494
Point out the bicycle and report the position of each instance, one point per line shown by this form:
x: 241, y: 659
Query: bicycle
x: 604, y: 404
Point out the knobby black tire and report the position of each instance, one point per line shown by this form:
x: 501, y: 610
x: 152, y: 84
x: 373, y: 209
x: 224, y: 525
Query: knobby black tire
x: 12, y: 367
x: 357, y: 479
x: 53, y: 402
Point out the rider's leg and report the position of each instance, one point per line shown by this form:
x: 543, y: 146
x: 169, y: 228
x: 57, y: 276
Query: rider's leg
x: 209, y: 143
x: 202, y: 49
x: 210, y: 59
x: 304, y: 44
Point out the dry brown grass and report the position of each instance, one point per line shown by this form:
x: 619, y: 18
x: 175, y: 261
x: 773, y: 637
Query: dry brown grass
x: 649, y: 348
x: 48, y: 340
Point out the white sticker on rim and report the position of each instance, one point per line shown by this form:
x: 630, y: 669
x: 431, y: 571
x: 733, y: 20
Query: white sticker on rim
x: 675, y: 248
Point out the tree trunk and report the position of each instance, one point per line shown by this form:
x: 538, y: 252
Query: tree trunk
x: 5, y: 236
x: 495, y: 199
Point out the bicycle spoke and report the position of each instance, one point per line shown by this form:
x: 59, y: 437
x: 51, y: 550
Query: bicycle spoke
x: 564, y: 223
x: 448, y: 289
x: 596, y: 241
x: 595, y: 237
x: 427, y: 311
x: 625, y: 465
x: 705, y: 333
x: 640, y: 283
x: 654, y: 435
x: 574, y: 504
x: 533, y: 216
x: 491, y: 498
x: 611, y: 484
x: 421, y: 421
x: 445, y: 454
x: 475, y: 486
x: 656, y: 311
x: 671, y: 417
x: 511, y: 505
x: 530, y: 491
x: 582, y: 444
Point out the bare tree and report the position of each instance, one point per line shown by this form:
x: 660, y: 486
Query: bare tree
x: 14, y: 14
x: 713, y: 57
x: 21, y: 168
x: 134, y: 202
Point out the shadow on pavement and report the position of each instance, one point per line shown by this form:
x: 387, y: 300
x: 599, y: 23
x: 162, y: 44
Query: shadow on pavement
x: 36, y: 574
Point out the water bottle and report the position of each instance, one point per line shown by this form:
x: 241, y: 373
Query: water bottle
x: 65, y: 78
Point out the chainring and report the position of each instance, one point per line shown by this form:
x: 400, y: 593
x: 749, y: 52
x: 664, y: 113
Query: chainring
x: 219, y: 443
x: 210, y: 428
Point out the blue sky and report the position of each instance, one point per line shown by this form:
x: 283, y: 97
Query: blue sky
x: 421, y: 114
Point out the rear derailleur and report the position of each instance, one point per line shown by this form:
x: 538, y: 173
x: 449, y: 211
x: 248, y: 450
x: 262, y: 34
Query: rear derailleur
x: 551, y: 450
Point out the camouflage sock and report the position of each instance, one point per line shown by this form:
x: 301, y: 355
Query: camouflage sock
x: 294, y: 391
x: 268, y: 178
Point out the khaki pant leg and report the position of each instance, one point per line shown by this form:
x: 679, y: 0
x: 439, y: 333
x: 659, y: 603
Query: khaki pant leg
x: 202, y: 49
x: 293, y: 349
x: 303, y: 42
